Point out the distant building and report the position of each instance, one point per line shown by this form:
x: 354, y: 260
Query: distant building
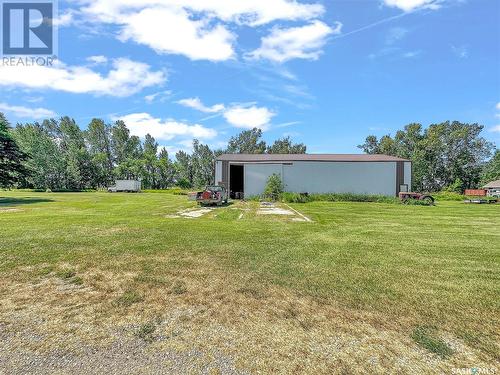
x: 247, y: 174
x: 493, y: 188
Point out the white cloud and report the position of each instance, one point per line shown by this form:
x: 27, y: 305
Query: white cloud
x: 256, y: 12
x: 246, y: 116
x: 495, y: 129
x: 33, y: 99
x: 97, y: 60
x: 141, y: 124
x: 411, y: 5
x: 412, y: 54
x: 249, y: 117
x: 196, y: 103
x: 126, y: 77
x: 196, y: 29
x: 171, y: 31
x: 462, y: 52
x: 24, y: 112
x: 395, y: 34
x: 497, y: 115
x: 64, y: 19
x: 253, y: 13
x: 303, y: 42
x: 158, y: 96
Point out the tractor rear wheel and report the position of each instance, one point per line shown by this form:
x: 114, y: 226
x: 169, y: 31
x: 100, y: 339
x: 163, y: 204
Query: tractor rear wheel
x: 428, y: 199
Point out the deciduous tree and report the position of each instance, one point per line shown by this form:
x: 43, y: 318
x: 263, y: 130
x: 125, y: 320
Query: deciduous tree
x: 286, y: 146
x: 247, y: 142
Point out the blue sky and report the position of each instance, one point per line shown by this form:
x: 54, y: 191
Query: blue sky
x: 327, y: 73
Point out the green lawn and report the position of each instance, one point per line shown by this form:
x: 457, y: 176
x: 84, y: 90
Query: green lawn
x: 428, y: 278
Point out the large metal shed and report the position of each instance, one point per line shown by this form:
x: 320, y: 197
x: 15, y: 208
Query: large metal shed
x: 314, y: 173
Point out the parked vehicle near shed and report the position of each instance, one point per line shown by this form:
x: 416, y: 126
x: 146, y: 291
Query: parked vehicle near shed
x: 409, y: 196
x: 128, y: 186
x: 212, y: 195
x: 481, y: 201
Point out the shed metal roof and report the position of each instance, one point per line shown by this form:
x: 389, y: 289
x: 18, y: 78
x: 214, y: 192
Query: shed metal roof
x: 306, y: 157
x: 492, y: 184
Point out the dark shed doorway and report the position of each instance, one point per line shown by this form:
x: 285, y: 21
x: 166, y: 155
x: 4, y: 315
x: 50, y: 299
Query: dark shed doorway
x: 236, y: 181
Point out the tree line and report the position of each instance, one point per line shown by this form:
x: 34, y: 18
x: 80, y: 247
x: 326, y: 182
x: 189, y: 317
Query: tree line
x: 449, y: 155
x: 58, y: 155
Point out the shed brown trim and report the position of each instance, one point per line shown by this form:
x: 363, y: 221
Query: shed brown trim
x: 400, y: 176
x: 308, y: 157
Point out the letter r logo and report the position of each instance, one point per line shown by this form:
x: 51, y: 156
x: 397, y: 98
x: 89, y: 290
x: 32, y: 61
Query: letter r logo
x: 27, y: 28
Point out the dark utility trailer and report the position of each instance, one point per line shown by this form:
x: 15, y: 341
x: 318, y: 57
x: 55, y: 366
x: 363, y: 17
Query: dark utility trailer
x: 481, y: 201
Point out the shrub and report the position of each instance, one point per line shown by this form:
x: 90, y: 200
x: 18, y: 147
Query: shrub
x: 455, y: 187
x: 274, y: 187
x: 336, y: 197
x: 183, y: 183
x: 174, y: 191
x: 448, y: 196
x: 296, y: 197
x: 253, y: 198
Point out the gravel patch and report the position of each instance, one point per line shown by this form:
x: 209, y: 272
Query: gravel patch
x: 125, y: 355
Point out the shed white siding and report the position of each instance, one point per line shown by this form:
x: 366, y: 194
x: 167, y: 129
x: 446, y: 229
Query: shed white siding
x: 326, y: 177
x: 256, y: 176
x: 218, y: 172
x: 407, y: 179
x: 341, y: 177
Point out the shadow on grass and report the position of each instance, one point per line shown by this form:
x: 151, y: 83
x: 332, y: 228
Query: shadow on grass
x: 229, y: 203
x: 4, y: 202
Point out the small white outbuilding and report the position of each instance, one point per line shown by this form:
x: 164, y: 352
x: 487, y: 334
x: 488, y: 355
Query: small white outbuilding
x: 247, y: 174
x: 493, y: 188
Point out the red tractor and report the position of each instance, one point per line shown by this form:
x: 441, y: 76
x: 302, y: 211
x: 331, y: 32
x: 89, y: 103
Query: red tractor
x: 212, y: 195
x: 407, y: 197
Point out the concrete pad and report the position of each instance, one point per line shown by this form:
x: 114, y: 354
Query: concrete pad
x: 190, y: 213
x: 300, y: 214
x: 195, y: 213
x: 274, y: 211
x: 10, y: 210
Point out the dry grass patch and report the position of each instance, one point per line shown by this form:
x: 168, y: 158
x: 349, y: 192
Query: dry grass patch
x: 264, y: 328
x: 344, y: 293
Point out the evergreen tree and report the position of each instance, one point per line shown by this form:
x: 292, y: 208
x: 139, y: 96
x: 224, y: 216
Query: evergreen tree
x: 12, y: 158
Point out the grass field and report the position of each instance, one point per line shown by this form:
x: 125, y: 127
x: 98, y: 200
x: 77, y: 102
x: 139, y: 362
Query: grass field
x: 364, y: 287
